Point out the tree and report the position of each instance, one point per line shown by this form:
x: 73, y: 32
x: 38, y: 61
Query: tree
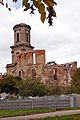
x: 74, y: 86
x: 31, y: 87
x: 53, y: 89
x: 75, y: 83
x: 9, y: 84
x: 44, y: 7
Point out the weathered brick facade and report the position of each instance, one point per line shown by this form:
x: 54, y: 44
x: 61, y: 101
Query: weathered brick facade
x: 27, y: 62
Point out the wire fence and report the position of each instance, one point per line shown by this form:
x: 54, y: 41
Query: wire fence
x: 41, y: 102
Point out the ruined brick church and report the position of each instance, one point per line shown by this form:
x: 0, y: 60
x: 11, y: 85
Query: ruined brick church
x: 30, y: 63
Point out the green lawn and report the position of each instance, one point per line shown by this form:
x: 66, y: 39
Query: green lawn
x: 70, y: 117
x: 7, y: 113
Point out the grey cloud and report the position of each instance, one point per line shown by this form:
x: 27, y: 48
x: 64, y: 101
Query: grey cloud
x: 61, y: 42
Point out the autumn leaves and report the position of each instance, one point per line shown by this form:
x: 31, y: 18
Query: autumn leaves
x: 44, y: 7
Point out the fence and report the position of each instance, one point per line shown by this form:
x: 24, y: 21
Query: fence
x: 41, y: 102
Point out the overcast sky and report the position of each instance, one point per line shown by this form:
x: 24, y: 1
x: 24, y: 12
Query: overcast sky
x: 61, y: 41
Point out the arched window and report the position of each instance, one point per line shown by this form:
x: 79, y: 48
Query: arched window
x: 34, y: 58
x: 20, y: 74
x: 17, y: 53
x: 17, y: 37
x: 27, y: 37
x: 33, y: 73
x: 55, y: 74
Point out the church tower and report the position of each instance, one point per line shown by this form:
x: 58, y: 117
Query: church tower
x: 22, y: 42
x: 26, y: 62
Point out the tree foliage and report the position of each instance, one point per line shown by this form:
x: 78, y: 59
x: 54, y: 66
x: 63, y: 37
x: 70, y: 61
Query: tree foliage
x: 53, y: 89
x: 25, y: 88
x: 75, y: 83
x: 9, y: 84
x: 74, y: 86
x: 31, y: 87
x: 44, y: 7
x: 28, y: 87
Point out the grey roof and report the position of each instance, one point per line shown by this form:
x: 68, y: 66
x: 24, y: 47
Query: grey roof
x: 21, y: 25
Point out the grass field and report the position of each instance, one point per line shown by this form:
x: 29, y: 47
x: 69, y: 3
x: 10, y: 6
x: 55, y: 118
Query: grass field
x: 7, y: 113
x: 70, y: 117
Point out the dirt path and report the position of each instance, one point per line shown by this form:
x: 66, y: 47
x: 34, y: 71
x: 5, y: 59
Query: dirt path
x: 43, y: 115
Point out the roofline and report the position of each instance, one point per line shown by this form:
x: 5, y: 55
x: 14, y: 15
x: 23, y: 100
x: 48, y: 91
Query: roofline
x: 21, y: 25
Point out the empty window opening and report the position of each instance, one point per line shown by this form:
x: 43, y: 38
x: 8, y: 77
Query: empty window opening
x: 55, y: 74
x: 12, y: 52
x: 23, y: 49
x: 13, y: 72
x: 66, y: 82
x: 17, y: 37
x: 17, y: 53
x: 34, y: 58
x: 55, y: 77
x: 71, y: 66
x: 33, y: 73
x: 20, y: 74
x: 27, y: 37
x: 55, y: 71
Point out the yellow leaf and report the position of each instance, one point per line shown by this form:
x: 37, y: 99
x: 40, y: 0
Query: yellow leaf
x: 49, y: 2
x: 41, y: 8
x: 43, y: 17
x: 25, y: 2
x: 54, y: 13
x: 39, y: 1
x: 27, y: 6
x: 36, y: 3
